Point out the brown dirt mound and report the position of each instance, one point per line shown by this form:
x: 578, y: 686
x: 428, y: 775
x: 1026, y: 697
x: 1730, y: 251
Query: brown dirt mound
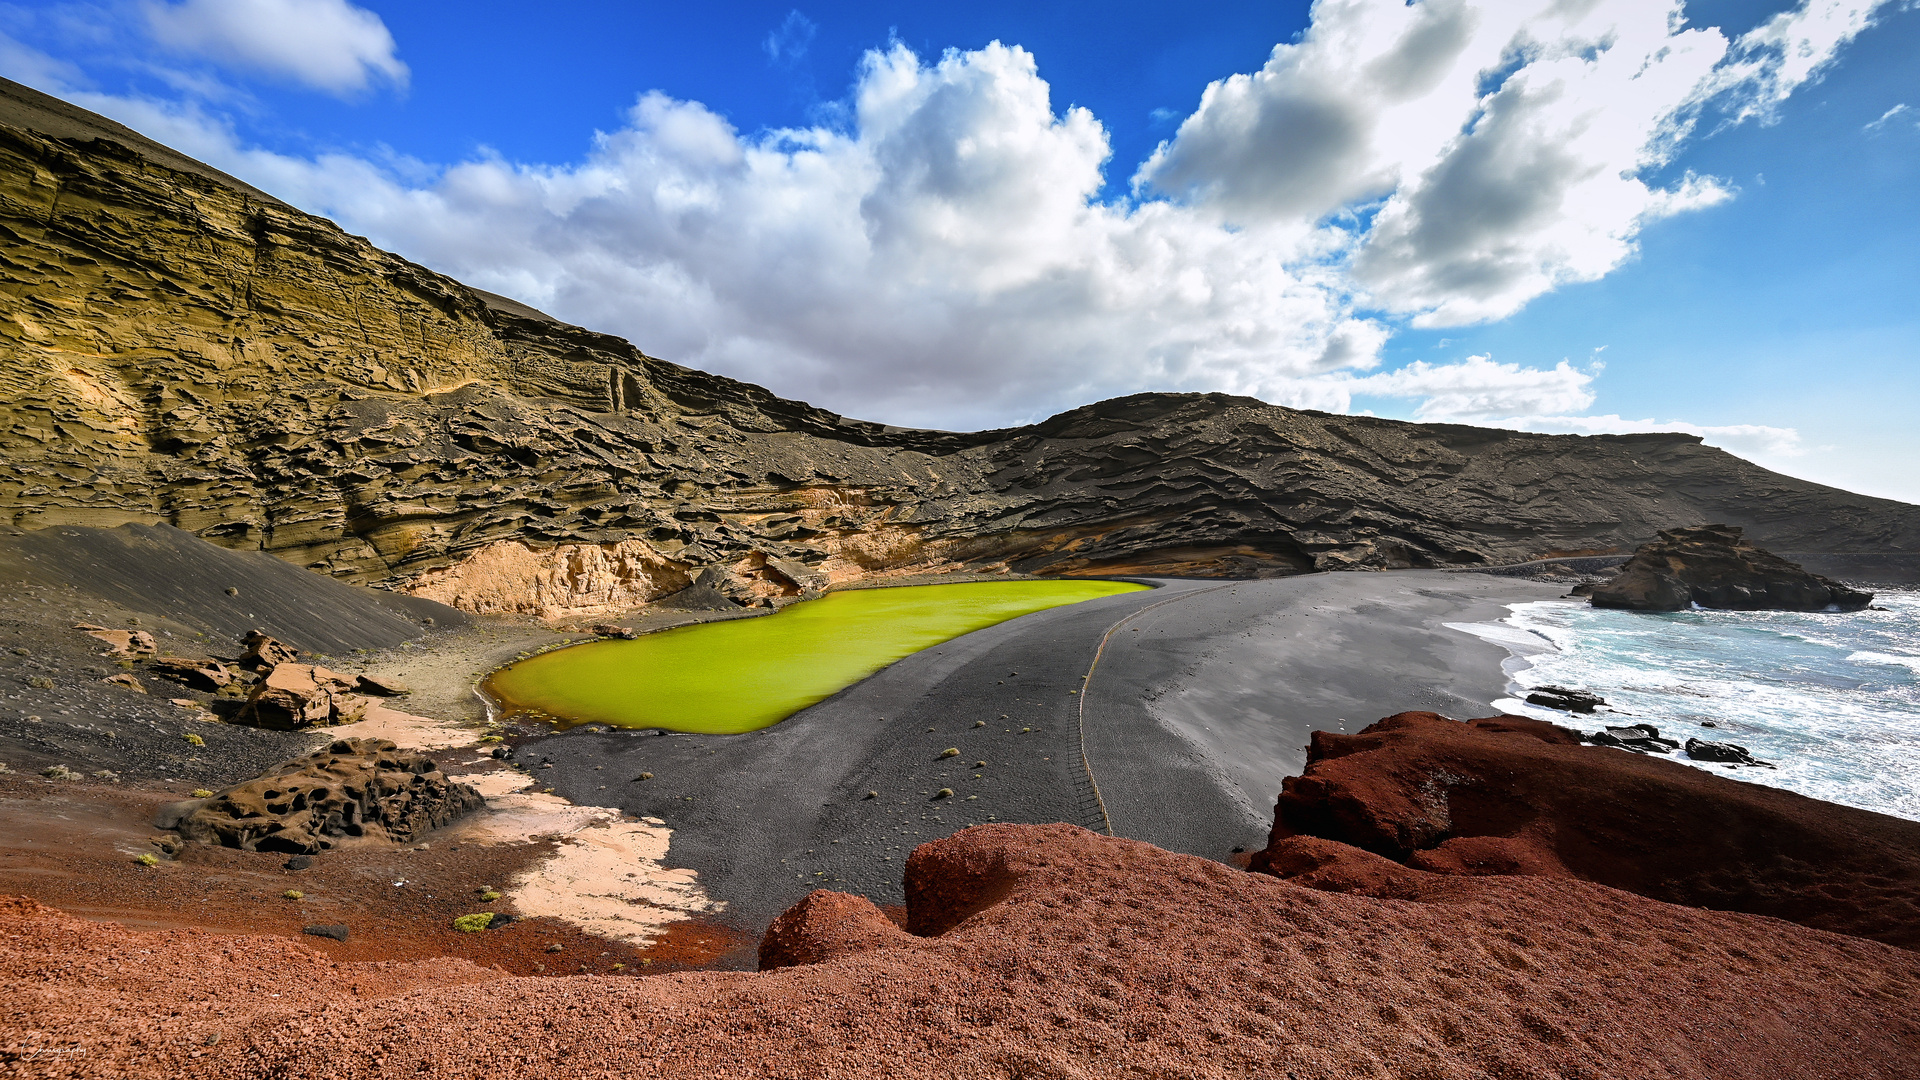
x: 1509, y: 795
x: 1087, y: 956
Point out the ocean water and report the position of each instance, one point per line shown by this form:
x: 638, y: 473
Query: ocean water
x: 1832, y: 699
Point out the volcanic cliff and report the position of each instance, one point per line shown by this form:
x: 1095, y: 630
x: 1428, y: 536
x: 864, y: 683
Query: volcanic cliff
x: 177, y: 347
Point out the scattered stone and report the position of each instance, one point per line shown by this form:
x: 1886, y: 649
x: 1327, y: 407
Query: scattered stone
x: 1559, y: 697
x: 944, y: 793
x: 1714, y: 567
x: 555, y: 947
x: 123, y: 642
x: 1639, y: 738
x: 979, y: 723
x: 1728, y: 753
x: 263, y: 653
x: 128, y: 681
x: 871, y: 795
x: 336, y: 931
x: 951, y: 751
x: 201, y: 674
x: 609, y: 630
x: 298, y: 862
x: 289, y: 698
x: 353, y: 788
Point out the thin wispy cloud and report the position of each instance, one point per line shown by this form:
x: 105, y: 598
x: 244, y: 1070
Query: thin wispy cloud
x: 1898, y: 112
x: 788, y: 43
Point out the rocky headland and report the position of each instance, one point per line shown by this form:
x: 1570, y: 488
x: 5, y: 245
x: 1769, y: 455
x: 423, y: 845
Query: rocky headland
x: 1714, y: 566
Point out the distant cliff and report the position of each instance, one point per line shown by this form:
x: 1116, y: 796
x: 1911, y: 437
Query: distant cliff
x: 178, y: 347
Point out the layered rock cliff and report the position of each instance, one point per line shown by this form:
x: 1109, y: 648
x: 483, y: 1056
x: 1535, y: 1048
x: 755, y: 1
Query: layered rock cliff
x: 178, y: 347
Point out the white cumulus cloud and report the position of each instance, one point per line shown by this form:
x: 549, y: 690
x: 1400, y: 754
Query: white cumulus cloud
x: 1478, y: 389
x: 1496, y: 150
x: 331, y: 45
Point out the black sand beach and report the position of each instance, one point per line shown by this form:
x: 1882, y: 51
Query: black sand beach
x: 1197, y: 709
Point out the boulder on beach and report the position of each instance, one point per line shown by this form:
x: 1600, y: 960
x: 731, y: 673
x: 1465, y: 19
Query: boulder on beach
x: 1509, y: 795
x: 366, y: 789
x: 1564, y: 699
x: 1715, y: 567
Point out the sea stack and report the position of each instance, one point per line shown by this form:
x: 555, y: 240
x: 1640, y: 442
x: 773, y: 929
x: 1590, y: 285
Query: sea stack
x: 1715, y: 567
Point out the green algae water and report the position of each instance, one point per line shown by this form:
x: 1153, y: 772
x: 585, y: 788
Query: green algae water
x: 725, y: 678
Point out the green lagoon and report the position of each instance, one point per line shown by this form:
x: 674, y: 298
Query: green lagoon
x: 741, y: 675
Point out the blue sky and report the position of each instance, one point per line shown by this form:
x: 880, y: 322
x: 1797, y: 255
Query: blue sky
x: 1496, y: 213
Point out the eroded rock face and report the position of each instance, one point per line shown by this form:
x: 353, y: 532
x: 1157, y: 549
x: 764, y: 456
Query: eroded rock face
x: 176, y: 347
x: 354, y: 789
x: 1714, y: 567
x: 1509, y: 795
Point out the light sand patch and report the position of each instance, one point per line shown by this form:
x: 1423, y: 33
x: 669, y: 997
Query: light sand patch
x: 607, y: 875
x: 381, y: 721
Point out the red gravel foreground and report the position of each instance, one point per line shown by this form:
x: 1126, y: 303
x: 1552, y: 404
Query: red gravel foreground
x: 1064, y: 954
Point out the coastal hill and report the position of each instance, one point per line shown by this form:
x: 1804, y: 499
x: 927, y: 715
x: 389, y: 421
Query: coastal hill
x: 180, y: 348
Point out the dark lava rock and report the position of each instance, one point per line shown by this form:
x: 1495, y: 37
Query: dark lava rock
x: 335, y: 931
x: 1714, y: 567
x: 299, y: 862
x: 358, y: 788
x: 1559, y: 697
x: 609, y: 630
x: 1639, y: 738
x: 1702, y: 750
x: 1508, y: 795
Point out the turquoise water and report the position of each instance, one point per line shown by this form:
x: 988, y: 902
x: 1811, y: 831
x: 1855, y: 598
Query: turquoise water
x: 1832, y: 699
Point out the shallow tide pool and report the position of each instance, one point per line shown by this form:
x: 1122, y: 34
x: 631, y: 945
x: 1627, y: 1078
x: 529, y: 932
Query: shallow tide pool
x: 725, y: 678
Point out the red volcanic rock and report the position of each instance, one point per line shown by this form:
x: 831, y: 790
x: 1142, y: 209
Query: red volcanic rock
x: 1509, y: 795
x: 1079, y: 956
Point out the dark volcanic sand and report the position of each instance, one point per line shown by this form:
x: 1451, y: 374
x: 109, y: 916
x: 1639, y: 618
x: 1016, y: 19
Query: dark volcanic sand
x: 759, y: 815
x: 1070, y: 955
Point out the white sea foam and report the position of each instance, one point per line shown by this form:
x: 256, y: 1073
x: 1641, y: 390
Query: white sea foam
x: 1832, y: 699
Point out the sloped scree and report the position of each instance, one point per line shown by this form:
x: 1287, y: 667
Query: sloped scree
x: 355, y: 789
